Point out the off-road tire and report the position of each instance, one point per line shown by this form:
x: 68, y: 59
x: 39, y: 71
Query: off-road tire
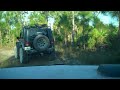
x: 23, y: 56
x: 16, y: 52
x: 41, y: 42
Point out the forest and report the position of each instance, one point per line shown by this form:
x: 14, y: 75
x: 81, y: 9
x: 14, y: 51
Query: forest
x: 78, y: 35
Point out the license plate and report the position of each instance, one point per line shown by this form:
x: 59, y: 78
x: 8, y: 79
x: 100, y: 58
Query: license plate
x: 27, y: 48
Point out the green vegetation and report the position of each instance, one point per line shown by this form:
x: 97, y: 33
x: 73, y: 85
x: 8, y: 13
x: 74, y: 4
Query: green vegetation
x: 99, y: 43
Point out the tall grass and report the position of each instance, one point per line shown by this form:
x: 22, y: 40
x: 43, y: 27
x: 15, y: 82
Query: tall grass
x: 69, y: 54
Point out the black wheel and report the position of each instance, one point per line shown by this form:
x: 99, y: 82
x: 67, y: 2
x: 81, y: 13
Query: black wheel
x: 16, y: 52
x: 41, y: 43
x: 23, y: 56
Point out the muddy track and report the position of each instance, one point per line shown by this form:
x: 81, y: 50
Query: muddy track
x: 7, y: 59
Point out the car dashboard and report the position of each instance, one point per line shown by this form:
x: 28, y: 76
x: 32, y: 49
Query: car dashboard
x: 53, y: 72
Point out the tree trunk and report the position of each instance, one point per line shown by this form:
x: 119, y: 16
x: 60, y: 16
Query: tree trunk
x: 83, y: 37
x: 73, y: 28
x: 46, y: 14
x: 119, y: 25
x: 9, y: 42
x: 0, y: 39
x: 65, y: 39
x: 70, y: 39
x: 47, y: 20
x: 13, y: 40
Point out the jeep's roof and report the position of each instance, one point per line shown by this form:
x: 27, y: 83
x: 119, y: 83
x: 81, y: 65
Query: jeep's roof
x: 35, y: 26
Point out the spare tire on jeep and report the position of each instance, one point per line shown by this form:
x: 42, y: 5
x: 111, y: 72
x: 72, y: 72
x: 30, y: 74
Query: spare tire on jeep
x: 41, y: 42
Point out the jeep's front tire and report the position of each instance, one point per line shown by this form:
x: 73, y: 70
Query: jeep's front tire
x: 23, y: 56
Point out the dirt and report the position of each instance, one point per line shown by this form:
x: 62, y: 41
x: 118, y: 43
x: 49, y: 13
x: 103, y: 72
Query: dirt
x: 63, y: 57
x: 7, y: 59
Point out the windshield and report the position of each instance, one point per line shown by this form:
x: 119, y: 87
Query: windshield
x: 78, y: 38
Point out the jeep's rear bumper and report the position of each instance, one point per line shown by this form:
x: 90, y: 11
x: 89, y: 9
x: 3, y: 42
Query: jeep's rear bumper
x: 30, y: 50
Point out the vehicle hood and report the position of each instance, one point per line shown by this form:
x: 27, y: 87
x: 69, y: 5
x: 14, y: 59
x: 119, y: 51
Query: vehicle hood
x: 53, y: 72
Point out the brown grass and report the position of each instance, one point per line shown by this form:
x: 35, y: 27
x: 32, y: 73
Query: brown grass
x: 65, y: 55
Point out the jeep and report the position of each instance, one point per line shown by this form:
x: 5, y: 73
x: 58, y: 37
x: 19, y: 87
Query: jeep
x: 34, y: 40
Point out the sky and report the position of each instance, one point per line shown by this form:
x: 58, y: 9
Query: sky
x: 106, y: 19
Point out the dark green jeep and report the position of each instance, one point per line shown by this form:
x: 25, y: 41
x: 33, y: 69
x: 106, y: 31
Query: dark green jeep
x: 34, y: 40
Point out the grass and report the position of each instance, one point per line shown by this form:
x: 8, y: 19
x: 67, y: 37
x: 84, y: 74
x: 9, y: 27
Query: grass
x: 65, y: 55
x: 90, y: 57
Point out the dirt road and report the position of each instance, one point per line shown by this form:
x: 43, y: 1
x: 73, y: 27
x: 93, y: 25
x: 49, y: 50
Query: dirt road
x: 64, y: 56
x: 7, y: 59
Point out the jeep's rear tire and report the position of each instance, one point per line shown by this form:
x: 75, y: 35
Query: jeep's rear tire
x: 41, y: 42
x: 23, y: 56
x: 16, y: 52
